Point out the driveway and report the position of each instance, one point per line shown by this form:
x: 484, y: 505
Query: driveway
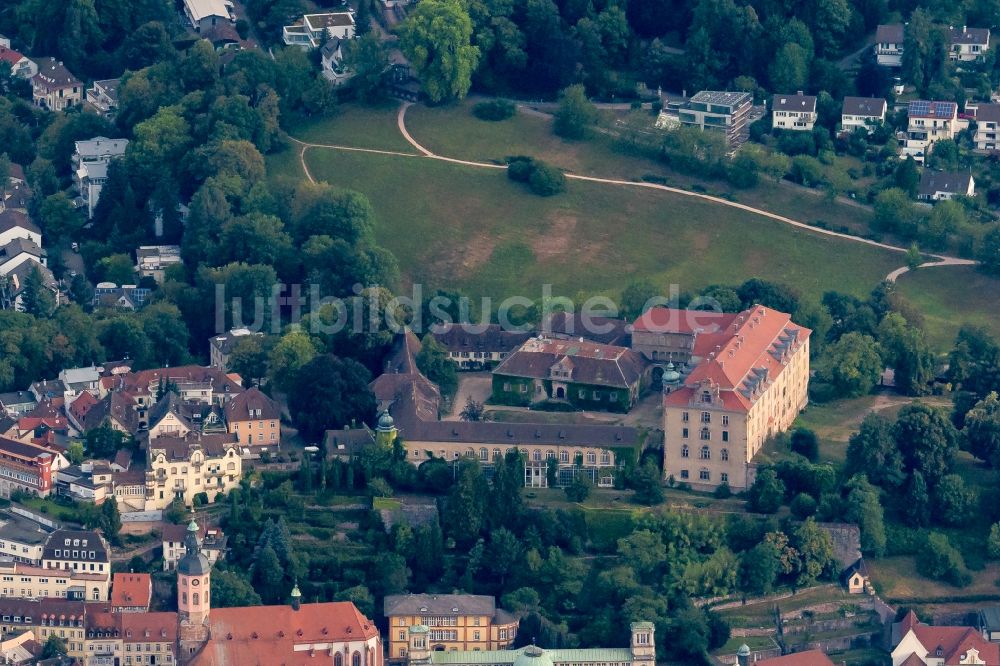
x: 475, y: 385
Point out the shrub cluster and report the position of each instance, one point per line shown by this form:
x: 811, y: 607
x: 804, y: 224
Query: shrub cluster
x: 494, y: 110
x: 544, y: 179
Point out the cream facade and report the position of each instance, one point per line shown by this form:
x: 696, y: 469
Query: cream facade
x: 927, y: 123
x: 453, y: 621
x: 21, y: 581
x: 748, y: 388
x: 794, y: 112
x: 182, y: 468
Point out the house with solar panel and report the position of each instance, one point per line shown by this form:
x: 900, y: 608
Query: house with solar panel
x: 928, y: 122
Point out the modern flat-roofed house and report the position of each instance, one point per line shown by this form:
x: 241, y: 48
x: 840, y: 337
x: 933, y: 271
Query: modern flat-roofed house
x: 204, y: 14
x: 153, y: 260
x: 940, y: 185
x: 20, y: 65
x: 102, y: 96
x: 968, y: 44
x: 90, y: 167
x: 54, y: 87
x: 313, y: 29
x: 862, y: 113
x: 928, y: 122
x: 719, y: 111
x: 889, y: 44
x: 794, y: 112
x: 987, y: 127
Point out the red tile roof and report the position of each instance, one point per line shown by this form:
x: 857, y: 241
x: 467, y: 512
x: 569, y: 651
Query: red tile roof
x: 82, y: 405
x: 131, y: 589
x: 10, y: 55
x: 808, y: 658
x: 267, y: 635
x: 953, y: 642
x: 672, y: 320
x: 252, y: 400
x: 149, y: 627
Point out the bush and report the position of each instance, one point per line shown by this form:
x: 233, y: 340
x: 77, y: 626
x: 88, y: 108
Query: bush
x: 520, y: 169
x: 941, y: 561
x: 803, y: 506
x: 723, y: 491
x: 546, y: 180
x: 579, y: 490
x: 242, y: 28
x: 494, y: 110
x: 804, y: 443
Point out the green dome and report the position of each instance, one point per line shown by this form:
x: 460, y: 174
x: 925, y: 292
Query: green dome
x: 670, y: 375
x: 533, y: 656
x: 385, y: 422
x: 744, y: 651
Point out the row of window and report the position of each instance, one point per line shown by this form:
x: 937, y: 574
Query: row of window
x: 705, y: 475
x: 706, y: 417
x: 705, y: 453
x: 260, y: 424
x: 537, y: 456
x: 705, y: 434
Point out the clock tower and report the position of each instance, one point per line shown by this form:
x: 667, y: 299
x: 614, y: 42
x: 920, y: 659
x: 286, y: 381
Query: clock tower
x: 193, y: 596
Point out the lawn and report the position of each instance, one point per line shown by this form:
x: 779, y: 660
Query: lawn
x: 897, y: 580
x: 480, y: 232
x: 951, y: 296
x: 358, y: 127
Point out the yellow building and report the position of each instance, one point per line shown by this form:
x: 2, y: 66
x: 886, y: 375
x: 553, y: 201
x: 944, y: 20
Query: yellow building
x: 180, y: 468
x: 23, y: 581
x: 254, y: 419
x: 454, y: 622
x: 47, y: 617
x: 747, y: 380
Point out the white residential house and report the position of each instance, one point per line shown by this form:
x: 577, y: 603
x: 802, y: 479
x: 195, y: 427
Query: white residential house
x: 90, y: 167
x: 102, y: 96
x: 794, y: 112
x: 204, y: 14
x: 20, y: 65
x: 19, y: 251
x: 865, y: 113
x: 968, y: 44
x: 941, y: 185
x: 15, y: 224
x: 889, y: 45
x: 987, y: 127
x: 153, y: 260
x: 332, y: 61
x: 54, y: 87
x: 311, y: 31
x: 928, y: 122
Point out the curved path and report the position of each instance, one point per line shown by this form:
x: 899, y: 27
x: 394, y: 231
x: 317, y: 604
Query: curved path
x: 939, y: 260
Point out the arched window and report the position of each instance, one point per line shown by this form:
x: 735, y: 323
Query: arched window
x: 356, y: 659
x: 195, y: 599
x: 470, y: 453
x: 338, y: 659
x: 725, y: 454
x: 705, y: 453
x: 685, y: 452
x: 550, y: 454
x: 591, y: 458
x: 706, y: 397
x: 536, y: 455
x: 564, y: 456
x: 484, y: 453
x: 496, y: 454
x: 605, y: 458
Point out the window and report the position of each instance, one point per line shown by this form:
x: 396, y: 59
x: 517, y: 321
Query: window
x: 705, y: 454
x: 338, y: 659
x: 684, y: 474
x: 484, y: 454
x: 724, y: 454
x: 704, y: 475
x: 605, y: 458
x: 684, y: 417
x: 706, y: 417
x: 591, y: 458
x: 685, y: 452
x: 724, y: 477
x: 564, y: 456
x: 356, y: 659
x: 706, y: 397
x: 706, y: 434
x: 725, y: 435
x: 684, y: 433
x: 536, y: 455
x: 725, y: 419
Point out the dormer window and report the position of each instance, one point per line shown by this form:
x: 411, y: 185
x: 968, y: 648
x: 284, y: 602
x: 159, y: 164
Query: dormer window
x: 706, y: 397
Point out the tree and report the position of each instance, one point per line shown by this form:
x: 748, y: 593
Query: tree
x: 75, y: 453
x: 939, y: 560
x: 953, y: 501
x: 55, y: 646
x: 648, y: 484
x: 927, y: 441
x: 895, y: 213
x: 473, y: 411
x: 872, y: 451
x: 644, y: 551
x: 982, y: 430
x: 789, y: 71
x: 637, y: 297
x: 814, y: 547
x: 293, y: 351
x: 767, y: 492
x: 36, y: 298
x: 851, y: 366
x: 104, y: 441
x: 266, y: 575
x: 916, y: 501
x: 111, y: 520
x: 433, y: 361
x: 803, y: 506
x: 368, y: 59
x: 989, y: 251
x: 864, y: 508
x: 575, y: 115
x: 804, y: 443
x: 906, y: 176
x: 328, y: 393
x: 759, y: 568
x: 546, y: 180
x: 579, y: 489
x: 436, y: 38
x: 231, y: 589
x: 465, y: 509
x: 249, y: 359
x: 993, y: 542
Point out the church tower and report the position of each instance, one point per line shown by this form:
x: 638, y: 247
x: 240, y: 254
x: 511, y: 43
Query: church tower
x: 193, y: 596
x: 643, y: 645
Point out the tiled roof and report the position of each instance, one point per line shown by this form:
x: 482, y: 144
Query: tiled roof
x: 988, y: 113
x: 873, y: 107
x: 967, y: 35
x: 268, y: 635
x: 252, y: 401
x: 83, y: 404
x: 22, y: 450
x: 932, y: 182
x: 594, y: 655
x: 53, y: 75
x: 796, y: 102
x: 149, y: 627
x: 131, y: 589
x: 604, y: 330
x: 808, y: 658
x: 889, y: 34
x: 12, y: 219
x: 934, y: 110
x: 87, y: 540
x: 180, y: 448
x: 20, y: 246
x: 490, y: 338
x: 592, y: 363
x: 10, y: 55
x: 672, y: 320
x: 439, y: 604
